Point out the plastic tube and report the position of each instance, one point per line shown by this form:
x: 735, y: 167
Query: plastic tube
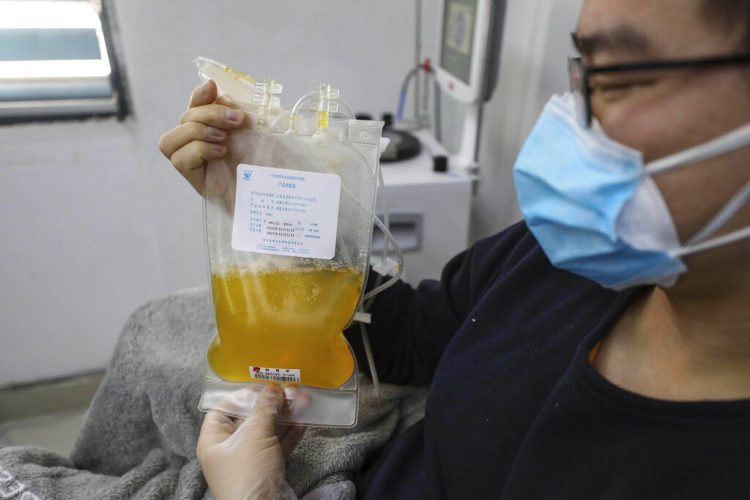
x: 399, y: 256
x: 404, y: 91
x: 370, y: 360
x: 315, y: 96
x: 370, y: 296
x: 427, y: 68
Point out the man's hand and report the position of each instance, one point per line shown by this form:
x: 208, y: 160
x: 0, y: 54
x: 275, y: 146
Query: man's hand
x: 202, y: 133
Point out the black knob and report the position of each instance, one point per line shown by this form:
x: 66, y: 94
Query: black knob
x: 440, y: 163
x: 363, y: 116
x: 388, y: 119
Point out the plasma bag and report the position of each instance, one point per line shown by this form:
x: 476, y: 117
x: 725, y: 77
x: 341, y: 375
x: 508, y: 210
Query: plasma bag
x: 289, y: 219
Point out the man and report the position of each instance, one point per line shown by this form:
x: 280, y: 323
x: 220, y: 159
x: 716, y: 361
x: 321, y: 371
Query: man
x: 544, y: 384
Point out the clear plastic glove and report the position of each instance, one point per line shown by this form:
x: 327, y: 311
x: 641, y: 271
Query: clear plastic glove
x: 245, y: 459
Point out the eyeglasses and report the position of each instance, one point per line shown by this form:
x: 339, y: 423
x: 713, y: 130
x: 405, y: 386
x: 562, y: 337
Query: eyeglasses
x: 580, y: 74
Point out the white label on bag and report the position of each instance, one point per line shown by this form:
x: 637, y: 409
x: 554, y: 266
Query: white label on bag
x: 286, y: 212
x: 275, y: 374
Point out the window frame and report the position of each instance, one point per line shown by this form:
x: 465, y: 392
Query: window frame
x: 81, y: 108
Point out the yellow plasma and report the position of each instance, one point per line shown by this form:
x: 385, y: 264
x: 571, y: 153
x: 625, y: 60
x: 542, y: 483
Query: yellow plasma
x: 289, y: 319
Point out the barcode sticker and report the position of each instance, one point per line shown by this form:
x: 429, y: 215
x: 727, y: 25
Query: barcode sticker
x: 275, y: 374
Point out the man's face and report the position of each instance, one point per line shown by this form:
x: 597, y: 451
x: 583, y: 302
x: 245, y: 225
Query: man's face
x: 662, y: 112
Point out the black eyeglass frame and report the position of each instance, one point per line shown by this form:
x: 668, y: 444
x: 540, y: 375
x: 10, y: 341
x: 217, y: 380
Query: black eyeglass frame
x: 579, y: 73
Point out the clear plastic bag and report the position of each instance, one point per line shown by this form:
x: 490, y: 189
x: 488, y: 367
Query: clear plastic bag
x: 289, y: 217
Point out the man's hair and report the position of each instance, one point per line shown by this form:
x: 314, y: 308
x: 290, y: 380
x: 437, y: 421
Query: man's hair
x: 729, y: 14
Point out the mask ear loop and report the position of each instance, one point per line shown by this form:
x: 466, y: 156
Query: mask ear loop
x: 738, y: 235
x: 698, y: 244
x: 716, y: 147
x: 727, y: 212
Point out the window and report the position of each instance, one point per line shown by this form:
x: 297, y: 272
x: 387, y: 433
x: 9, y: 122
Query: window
x: 57, y: 61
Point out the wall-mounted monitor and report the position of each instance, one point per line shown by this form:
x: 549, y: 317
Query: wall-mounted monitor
x: 469, y: 48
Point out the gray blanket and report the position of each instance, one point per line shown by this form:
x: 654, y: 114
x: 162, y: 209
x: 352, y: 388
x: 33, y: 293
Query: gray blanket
x: 138, y: 439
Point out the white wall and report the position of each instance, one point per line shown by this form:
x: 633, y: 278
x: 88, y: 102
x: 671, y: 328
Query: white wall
x: 537, y: 44
x: 95, y: 222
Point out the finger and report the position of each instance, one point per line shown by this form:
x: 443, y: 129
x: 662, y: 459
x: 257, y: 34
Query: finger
x: 225, y: 100
x: 190, y: 159
x: 195, y: 154
x: 178, y: 137
x: 216, y: 115
x: 290, y: 438
x: 262, y: 421
x: 290, y: 435
x: 216, y: 428
x: 204, y: 93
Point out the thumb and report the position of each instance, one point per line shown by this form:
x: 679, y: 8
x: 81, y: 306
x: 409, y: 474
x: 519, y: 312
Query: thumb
x: 215, y: 429
x: 204, y: 93
x: 262, y: 421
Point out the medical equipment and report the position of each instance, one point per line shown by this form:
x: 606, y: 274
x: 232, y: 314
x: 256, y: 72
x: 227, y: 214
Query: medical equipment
x: 467, y: 65
x: 430, y: 198
x: 469, y: 51
x: 289, y: 217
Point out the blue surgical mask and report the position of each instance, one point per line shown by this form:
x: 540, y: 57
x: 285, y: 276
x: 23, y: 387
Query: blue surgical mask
x: 595, y: 209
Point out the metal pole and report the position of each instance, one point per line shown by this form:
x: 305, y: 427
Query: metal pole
x: 418, y: 57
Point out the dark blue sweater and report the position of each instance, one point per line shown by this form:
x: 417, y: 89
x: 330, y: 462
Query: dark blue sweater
x: 515, y: 411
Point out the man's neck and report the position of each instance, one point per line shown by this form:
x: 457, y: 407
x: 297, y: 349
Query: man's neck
x: 681, y: 346
x: 711, y: 302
